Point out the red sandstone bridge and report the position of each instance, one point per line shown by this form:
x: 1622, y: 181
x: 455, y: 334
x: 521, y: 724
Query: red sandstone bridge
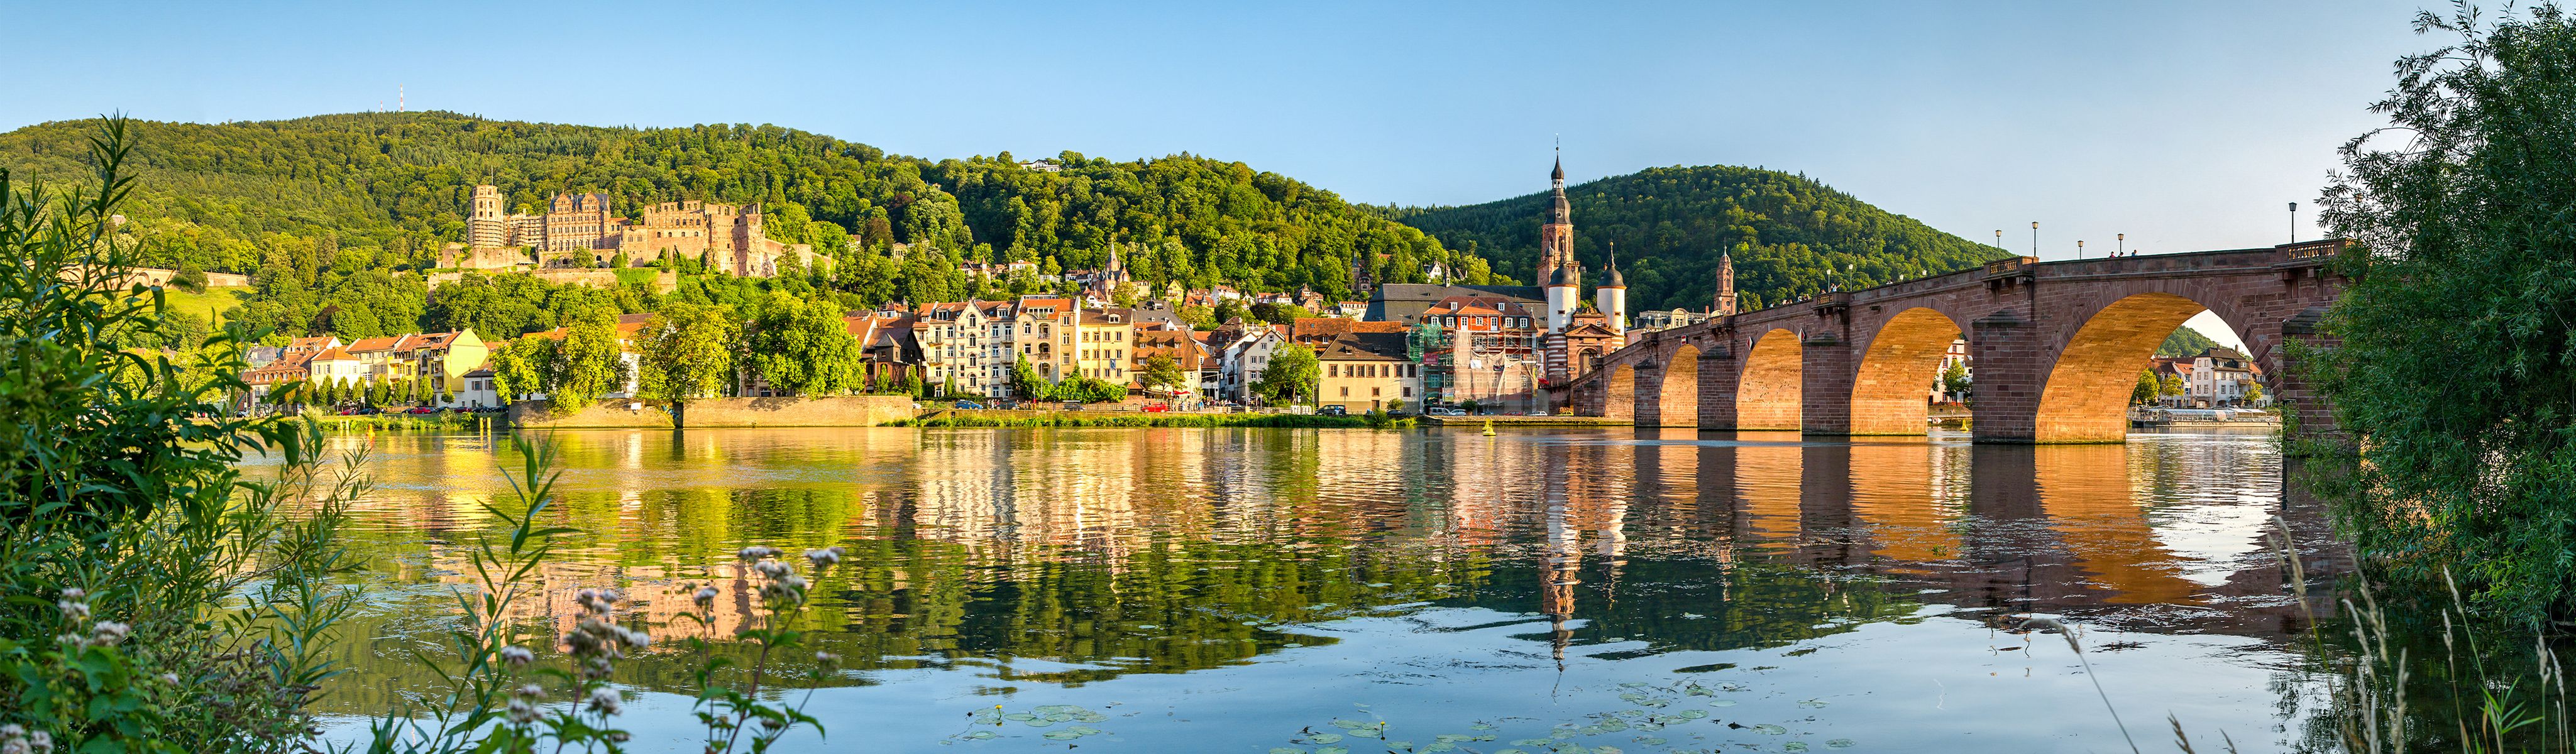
x: 2056, y: 347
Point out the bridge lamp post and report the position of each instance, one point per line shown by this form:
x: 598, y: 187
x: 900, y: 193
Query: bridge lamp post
x: 2034, y: 238
x: 2079, y: 248
x: 2294, y: 222
x: 2124, y: 244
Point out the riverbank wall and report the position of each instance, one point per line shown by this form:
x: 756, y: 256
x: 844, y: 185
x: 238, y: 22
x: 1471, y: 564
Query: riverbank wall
x: 1013, y: 418
x: 843, y: 411
x: 1527, y: 421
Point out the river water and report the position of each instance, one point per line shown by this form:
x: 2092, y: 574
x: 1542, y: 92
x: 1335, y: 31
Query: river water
x: 1260, y: 590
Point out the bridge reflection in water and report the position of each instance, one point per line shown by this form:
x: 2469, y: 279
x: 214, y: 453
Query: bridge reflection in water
x: 986, y: 559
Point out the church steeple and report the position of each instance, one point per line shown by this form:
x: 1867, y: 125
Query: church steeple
x: 1725, y: 303
x: 1556, y: 234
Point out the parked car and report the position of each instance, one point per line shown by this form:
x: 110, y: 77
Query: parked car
x: 421, y: 410
x: 1073, y: 405
x: 1156, y: 408
x: 1006, y: 404
x: 963, y: 405
x: 1334, y: 410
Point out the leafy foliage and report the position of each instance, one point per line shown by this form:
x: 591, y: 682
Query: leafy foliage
x: 1291, y: 377
x: 685, y: 353
x: 158, y: 599
x: 804, y: 348
x: 325, y: 209
x: 1670, y: 224
x: 2457, y: 360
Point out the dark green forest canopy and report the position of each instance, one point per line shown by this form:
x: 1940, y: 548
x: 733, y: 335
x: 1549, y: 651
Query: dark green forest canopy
x: 396, y: 184
x: 1670, y: 224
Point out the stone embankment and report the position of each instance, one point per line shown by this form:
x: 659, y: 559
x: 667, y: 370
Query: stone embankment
x: 846, y: 411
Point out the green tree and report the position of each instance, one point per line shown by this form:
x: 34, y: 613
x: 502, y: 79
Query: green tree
x: 1291, y: 376
x: 2253, y: 393
x: 1027, y: 383
x: 2146, y: 390
x: 1955, y: 380
x: 585, y: 366
x: 518, y: 367
x: 2455, y: 333
x: 804, y: 347
x: 2170, y: 387
x: 1161, y: 372
x: 685, y: 352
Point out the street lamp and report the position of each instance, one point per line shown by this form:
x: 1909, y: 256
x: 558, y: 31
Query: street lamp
x: 2124, y: 244
x: 2034, y: 238
x: 2079, y: 248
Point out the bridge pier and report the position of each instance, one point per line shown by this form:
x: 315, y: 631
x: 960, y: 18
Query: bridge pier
x: 1717, y: 381
x: 1824, y: 402
x: 2010, y: 375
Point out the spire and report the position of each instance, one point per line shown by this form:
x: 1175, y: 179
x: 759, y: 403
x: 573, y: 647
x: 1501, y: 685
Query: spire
x: 1725, y: 303
x: 1612, y: 278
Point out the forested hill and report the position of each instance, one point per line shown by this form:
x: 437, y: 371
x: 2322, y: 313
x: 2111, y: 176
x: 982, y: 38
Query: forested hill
x: 393, y: 186
x: 1671, y: 223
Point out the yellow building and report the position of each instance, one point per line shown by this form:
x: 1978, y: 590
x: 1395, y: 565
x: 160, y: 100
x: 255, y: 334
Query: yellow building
x: 1367, y: 371
x: 444, y: 356
x: 1102, y: 342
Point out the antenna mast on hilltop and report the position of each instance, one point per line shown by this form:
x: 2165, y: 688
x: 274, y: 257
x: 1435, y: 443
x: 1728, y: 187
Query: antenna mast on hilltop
x: 398, y: 98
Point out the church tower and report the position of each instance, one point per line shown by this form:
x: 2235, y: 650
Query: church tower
x: 1556, y: 236
x: 1725, y: 284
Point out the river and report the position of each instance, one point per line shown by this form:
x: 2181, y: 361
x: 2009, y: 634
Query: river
x: 1259, y: 590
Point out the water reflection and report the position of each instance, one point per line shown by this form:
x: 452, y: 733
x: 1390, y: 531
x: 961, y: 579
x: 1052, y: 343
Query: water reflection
x: 1078, y: 565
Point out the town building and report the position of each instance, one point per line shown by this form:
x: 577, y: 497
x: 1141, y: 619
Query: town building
x: 966, y: 346
x: 1368, y: 371
x: 2219, y: 378
x: 1103, y: 341
x: 1178, y: 343
x: 1243, y: 359
x: 1045, y: 332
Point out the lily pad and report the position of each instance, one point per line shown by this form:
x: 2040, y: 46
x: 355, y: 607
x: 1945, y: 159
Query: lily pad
x: 1812, y: 703
x: 1770, y: 730
x: 1840, y: 743
x: 1324, y: 738
x: 1722, y: 703
x: 1794, y: 746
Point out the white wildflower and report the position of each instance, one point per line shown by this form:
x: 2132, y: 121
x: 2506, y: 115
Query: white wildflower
x: 606, y: 701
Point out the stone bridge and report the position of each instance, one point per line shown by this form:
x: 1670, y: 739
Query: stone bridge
x: 2056, y: 347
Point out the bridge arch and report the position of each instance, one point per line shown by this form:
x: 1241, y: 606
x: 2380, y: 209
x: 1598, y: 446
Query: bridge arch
x: 1896, y: 372
x: 1676, y: 392
x: 2085, y: 397
x: 1619, y: 399
x: 1767, y: 394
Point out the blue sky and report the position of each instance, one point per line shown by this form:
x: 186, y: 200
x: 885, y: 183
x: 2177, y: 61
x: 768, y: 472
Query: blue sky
x: 2185, y: 125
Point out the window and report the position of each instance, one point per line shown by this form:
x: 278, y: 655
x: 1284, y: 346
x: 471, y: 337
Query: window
x: 1375, y: 392
x: 1332, y: 370
x: 1346, y: 392
x: 1408, y: 392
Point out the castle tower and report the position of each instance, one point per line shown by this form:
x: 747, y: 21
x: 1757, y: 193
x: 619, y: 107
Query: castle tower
x: 1612, y: 297
x: 1556, y: 236
x: 485, y: 227
x: 1725, y: 284
x: 1563, y: 287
